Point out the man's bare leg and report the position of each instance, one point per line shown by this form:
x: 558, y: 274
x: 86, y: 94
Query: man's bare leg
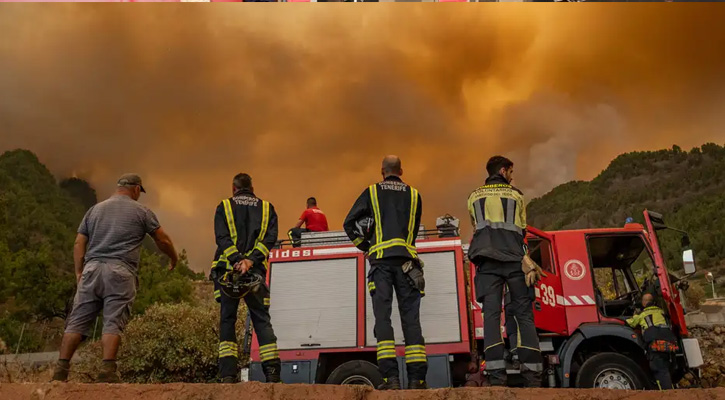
x: 68, y: 347
x: 109, y: 369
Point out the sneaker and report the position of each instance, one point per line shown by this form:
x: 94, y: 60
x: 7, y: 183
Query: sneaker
x: 417, y: 385
x: 390, y: 384
x: 60, y: 373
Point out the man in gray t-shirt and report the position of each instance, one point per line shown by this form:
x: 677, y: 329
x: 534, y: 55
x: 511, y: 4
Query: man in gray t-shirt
x: 106, y: 254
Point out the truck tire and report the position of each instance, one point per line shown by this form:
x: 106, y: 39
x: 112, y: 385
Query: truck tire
x: 611, y: 371
x: 356, y: 372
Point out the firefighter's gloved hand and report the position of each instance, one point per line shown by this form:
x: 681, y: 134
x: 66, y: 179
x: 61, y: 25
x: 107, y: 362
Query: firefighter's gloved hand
x: 531, y: 270
x: 414, y: 270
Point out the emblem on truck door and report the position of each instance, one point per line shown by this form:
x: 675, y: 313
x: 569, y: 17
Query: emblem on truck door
x: 574, y: 270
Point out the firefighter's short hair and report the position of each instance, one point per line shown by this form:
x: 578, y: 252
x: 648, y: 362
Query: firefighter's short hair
x: 495, y: 164
x: 312, y: 201
x: 242, y: 181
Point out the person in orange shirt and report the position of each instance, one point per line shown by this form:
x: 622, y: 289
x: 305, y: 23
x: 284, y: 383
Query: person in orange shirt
x: 314, y: 220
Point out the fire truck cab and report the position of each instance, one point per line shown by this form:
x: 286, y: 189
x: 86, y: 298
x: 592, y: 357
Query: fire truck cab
x: 323, y: 319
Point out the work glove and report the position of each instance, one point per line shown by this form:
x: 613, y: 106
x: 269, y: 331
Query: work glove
x: 414, y: 270
x: 531, y: 270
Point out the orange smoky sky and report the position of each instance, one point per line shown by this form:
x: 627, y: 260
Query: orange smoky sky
x: 309, y: 98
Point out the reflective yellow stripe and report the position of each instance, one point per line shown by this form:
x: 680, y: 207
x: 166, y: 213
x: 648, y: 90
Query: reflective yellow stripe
x: 357, y: 241
x: 386, y: 343
x: 415, y: 347
x: 230, y: 250
x: 265, y: 221
x: 261, y: 247
x: 493, y: 345
x: 230, y: 220
x: 266, y: 301
x: 376, y: 212
x: 262, y: 232
x: 371, y: 286
x: 269, y: 357
x: 395, y: 242
x: 217, y: 294
x: 415, y: 359
x: 386, y: 356
x: 267, y: 347
x: 229, y: 354
x: 413, y: 211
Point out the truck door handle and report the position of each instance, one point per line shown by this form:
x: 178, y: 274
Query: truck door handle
x: 310, y: 345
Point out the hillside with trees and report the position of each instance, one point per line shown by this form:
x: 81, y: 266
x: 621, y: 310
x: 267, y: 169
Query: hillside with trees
x: 687, y: 187
x: 38, y: 221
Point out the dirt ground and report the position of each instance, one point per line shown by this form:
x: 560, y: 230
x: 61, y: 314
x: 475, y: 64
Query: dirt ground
x: 259, y: 391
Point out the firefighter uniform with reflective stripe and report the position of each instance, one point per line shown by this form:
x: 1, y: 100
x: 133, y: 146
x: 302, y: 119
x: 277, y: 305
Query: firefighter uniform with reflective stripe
x: 498, y: 215
x: 396, y: 209
x: 245, y: 228
x: 660, y: 341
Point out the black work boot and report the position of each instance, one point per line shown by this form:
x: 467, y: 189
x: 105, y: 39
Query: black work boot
x: 532, y: 379
x: 392, y: 383
x: 60, y: 373
x: 272, y: 371
x: 109, y: 372
x: 417, y: 384
x: 497, y: 377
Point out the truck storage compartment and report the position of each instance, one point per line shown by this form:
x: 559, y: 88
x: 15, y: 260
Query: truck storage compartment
x: 314, y: 303
x: 439, y: 315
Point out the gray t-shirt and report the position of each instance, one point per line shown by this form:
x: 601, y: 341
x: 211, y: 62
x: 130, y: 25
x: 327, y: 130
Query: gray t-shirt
x: 116, y: 228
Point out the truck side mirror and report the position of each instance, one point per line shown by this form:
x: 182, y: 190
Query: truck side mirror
x: 688, y: 261
x: 685, y: 241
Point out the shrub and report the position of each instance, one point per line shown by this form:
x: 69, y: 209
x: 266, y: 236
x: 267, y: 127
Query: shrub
x: 168, y: 343
x: 694, y: 296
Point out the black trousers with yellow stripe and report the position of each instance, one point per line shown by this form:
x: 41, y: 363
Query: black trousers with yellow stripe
x: 386, y: 276
x: 491, y: 275
x: 258, y: 305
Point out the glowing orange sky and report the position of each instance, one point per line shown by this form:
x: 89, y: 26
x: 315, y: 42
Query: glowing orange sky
x: 309, y: 99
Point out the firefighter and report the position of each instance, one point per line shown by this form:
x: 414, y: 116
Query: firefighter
x: 395, y: 208
x: 246, y: 228
x: 659, y: 339
x: 497, y: 249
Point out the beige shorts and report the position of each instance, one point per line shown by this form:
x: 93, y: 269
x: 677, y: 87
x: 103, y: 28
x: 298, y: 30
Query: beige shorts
x: 106, y: 286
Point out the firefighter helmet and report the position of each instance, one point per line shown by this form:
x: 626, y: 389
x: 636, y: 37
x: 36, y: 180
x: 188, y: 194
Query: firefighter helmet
x: 237, y: 285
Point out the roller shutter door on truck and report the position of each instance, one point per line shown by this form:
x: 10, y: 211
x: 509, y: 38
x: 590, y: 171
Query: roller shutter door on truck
x: 313, y: 319
x: 439, y: 308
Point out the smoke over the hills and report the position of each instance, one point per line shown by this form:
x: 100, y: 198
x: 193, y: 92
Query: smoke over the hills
x: 308, y: 100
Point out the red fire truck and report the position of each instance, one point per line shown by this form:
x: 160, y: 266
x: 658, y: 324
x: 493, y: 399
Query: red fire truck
x: 323, y: 319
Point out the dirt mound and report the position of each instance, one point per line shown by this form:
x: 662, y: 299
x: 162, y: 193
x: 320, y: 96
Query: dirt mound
x: 259, y: 391
x: 713, y: 352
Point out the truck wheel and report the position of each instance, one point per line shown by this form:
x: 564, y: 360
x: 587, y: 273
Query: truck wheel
x: 611, y: 371
x: 356, y: 372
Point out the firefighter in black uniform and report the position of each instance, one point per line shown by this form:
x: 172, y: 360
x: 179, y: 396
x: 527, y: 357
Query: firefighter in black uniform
x: 396, y: 210
x: 497, y: 249
x: 659, y: 338
x: 245, y: 227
